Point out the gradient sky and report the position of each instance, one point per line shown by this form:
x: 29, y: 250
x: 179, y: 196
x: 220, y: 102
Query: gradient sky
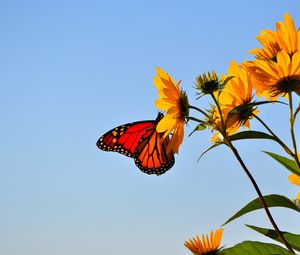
x: 72, y: 70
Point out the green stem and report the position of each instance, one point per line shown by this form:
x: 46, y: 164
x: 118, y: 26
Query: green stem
x: 283, y: 145
x: 199, y: 110
x: 252, y: 180
x: 292, y: 121
x: 221, y: 115
x: 195, y: 119
x: 261, y: 197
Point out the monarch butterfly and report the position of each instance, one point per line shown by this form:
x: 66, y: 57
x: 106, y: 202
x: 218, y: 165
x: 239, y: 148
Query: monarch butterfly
x: 140, y: 141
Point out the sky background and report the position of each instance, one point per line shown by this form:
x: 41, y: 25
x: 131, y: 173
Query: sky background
x: 72, y: 70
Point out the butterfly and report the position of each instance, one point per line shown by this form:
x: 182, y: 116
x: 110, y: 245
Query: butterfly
x: 140, y: 141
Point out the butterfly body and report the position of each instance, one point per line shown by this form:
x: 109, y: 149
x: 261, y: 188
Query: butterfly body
x: 141, y: 141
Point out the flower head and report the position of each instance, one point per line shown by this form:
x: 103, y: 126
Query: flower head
x: 207, y: 245
x: 235, y: 101
x: 285, y: 38
x: 288, y: 37
x: 274, y: 79
x: 175, y: 102
x: 208, y: 83
x: 270, y: 43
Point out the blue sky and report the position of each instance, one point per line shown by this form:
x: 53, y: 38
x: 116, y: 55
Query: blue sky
x: 72, y: 70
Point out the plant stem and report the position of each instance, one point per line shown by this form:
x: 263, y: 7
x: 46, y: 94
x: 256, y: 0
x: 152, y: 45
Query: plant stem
x: 195, y: 119
x: 199, y: 110
x: 283, y: 145
x: 252, y: 180
x: 264, y: 204
x: 292, y: 121
x: 220, y: 112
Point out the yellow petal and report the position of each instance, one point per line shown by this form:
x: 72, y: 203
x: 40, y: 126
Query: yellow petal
x: 263, y: 70
x: 171, y: 93
x: 165, y: 124
x: 290, y: 27
x: 158, y: 83
x: 177, y: 138
x: 161, y: 73
x: 167, y: 80
x: 298, y: 40
x: 283, y: 60
x: 162, y: 104
x: 296, y: 64
x: 173, y: 111
x: 294, y: 179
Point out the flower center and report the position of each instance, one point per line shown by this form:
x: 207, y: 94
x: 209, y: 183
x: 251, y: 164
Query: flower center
x: 210, y: 86
x: 245, y: 114
x: 183, y: 106
x: 285, y: 85
x: 213, y: 252
x: 207, y: 83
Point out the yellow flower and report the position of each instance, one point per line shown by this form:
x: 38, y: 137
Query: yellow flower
x: 269, y: 41
x: 207, y: 244
x: 286, y: 38
x: 274, y: 79
x: 237, y: 95
x: 174, y: 101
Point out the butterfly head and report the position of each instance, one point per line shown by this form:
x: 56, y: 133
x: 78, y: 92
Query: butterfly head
x: 160, y: 115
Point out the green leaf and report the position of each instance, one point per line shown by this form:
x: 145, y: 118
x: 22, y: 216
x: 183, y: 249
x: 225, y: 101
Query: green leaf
x: 292, y: 239
x: 227, y: 80
x: 286, y: 162
x: 251, y: 135
x: 267, y: 102
x: 271, y: 200
x: 254, y: 248
x: 199, y: 127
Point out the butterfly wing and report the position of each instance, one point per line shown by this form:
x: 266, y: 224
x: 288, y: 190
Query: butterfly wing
x: 125, y: 138
x: 151, y: 153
